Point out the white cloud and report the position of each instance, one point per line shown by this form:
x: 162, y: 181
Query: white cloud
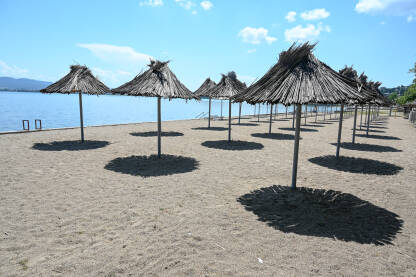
x: 310, y: 32
x: 186, y: 4
x: 291, y: 16
x: 116, y: 54
x: 390, y: 7
x: 315, y: 14
x: 256, y: 35
x: 410, y: 18
x: 112, y: 77
x: 206, y: 5
x: 246, y: 79
x: 194, y: 12
x: 12, y: 70
x: 251, y: 51
x: 152, y: 3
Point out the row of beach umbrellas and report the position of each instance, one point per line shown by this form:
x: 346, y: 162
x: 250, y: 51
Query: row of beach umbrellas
x: 298, y: 78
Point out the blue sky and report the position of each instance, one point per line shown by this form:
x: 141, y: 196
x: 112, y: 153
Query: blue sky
x: 40, y: 39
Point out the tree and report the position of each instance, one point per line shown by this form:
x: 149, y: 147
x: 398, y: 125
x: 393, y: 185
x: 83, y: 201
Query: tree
x: 393, y: 97
x: 413, y: 70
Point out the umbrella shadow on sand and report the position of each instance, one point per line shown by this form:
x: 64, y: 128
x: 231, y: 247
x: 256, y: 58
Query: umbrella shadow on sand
x: 357, y: 165
x: 245, y: 124
x: 210, y: 129
x: 301, y: 129
x: 151, y: 166
x: 323, y: 213
x: 277, y: 136
x: 234, y: 145
x: 367, y: 147
x: 70, y: 145
x: 378, y: 137
x: 154, y: 134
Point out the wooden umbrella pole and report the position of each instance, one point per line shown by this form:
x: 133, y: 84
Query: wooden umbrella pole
x: 81, y: 117
x: 209, y: 114
x: 296, y: 146
x: 341, y: 116
x: 239, y: 113
x: 286, y: 111
x: 368, y: 119
x: 355, y: 124
x: 271, y: 120
x: 361, y: 116
x: 306, y: 113
x: 324, y: 112
x: 275, y: 111
x: 316, y: 113
x: 221, y: 110
x: 258, y: 114
x: 293, y: 117
x: 330, y: 113
x: 159, y: 128
x: 229, y: 120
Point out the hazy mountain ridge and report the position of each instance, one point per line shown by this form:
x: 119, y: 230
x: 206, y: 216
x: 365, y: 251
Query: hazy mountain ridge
x: 21, y: 84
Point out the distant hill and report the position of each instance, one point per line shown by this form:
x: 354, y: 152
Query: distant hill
x: 22, y: 84
x: 400, y: 90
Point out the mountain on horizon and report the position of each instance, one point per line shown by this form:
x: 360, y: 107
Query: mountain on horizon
x: 24, y: 84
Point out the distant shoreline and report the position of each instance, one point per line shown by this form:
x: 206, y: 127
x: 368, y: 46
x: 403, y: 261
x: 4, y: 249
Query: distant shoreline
x: 18, y: 90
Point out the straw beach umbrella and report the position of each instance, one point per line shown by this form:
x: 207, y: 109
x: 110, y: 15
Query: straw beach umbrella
x: 300, y: 78
x: 202, y: 91
x: 81, y: 81
x: 158, y: 81
x: 228, y: 87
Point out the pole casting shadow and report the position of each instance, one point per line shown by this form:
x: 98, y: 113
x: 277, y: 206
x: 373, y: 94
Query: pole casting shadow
x: 357, y: 165
x: 323, y: 213
x: 154, y: 134
x: 367, y: 147
x: 151, y: 166
x: 277, y: 136
x: 70, y: 145
x: 234, y: 145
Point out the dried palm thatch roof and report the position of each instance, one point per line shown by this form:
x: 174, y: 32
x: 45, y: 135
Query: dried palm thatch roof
x: 204, y: 88
x: 379, y: 98
x: 157, y: 81
x: 79, y: 79
x: 300, y: 78
x: 227, y: 87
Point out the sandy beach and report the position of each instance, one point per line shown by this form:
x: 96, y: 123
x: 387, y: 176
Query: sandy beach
x: 211, y: 209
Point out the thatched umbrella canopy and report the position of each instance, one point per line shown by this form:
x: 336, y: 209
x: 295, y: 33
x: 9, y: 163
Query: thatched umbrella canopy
x: 158, y: 81
x: 203, y: 91
x: 228, y: 87
x: 79, y: 80
x: 300, y: 78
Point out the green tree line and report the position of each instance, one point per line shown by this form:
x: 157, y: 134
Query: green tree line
x: 409, y: 95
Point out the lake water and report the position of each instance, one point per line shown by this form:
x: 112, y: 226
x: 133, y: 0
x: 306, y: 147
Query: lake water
x: 62, y: 110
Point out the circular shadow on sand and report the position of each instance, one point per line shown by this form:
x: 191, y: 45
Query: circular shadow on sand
x: 277, y: 136
x: 301, y: 129
x: 367, y: 147
x: 151, y: 166
x: 210, y: 129
x: 70, y: 145
x: 234, y: 145
x: 245, y: 124
x: 357, y: 165
x: 378, y: 137
x: 323, y: 213
x: 313, y: 125
x: 154, y: 134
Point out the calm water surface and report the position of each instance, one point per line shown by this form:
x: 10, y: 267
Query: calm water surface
x: 61, y: 110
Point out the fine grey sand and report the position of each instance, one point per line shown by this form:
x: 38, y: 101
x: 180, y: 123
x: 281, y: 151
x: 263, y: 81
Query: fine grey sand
x: 213, y: 212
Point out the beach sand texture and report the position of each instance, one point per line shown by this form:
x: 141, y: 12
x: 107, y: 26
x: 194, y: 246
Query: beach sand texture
x: 211, y: 212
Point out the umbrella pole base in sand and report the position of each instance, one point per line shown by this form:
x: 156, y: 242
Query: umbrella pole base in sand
x: 159, y: 129
x: 341, y: 117
x: 81, y: 117
x: 296, y: 147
